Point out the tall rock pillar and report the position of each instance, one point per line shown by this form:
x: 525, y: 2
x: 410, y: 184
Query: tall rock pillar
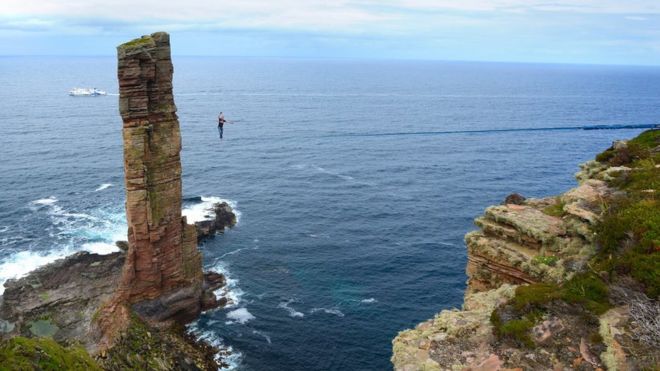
x: 162, y: 276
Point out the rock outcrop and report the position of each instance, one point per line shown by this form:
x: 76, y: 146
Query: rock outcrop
x: 60, y: 299
x: 162, y: 276
x: 223, y: 217
x: 535, y: 240
x: 533, y: 300
x: 127, y: 308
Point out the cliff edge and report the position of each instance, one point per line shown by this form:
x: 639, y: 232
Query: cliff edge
x: 562, y: 283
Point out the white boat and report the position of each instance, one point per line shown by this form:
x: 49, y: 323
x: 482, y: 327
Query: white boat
x: 86, y: 92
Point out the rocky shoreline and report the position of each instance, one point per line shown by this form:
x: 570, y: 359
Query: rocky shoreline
x: 59, y: 300
x: 542, y: 293
x: 126, y: 309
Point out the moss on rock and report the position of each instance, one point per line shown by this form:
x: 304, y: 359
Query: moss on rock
x: 20, y: 353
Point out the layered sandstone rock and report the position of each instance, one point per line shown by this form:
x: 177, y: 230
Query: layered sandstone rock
x: 162, y: 276
x: 520, y: 242
x: 535, y: 240
x: 121, y: 306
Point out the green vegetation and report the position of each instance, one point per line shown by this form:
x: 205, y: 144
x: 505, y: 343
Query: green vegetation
x: 145, y: 348
x: 21, y: 353
x: 144, y: 40
x: 556, y: 209
x: 628, y: 237
x: 636, y: 149
x: 550, y: 260
x: 587, y: 290
x: 532, y: 301
x: 516, y: 329
x: 534, y: 296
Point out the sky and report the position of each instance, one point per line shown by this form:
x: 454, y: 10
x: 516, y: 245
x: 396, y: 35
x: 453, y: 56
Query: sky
x: 549, y: 31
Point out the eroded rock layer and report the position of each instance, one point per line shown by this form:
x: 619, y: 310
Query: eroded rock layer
x: 163, y: 272
x: 60, y: 299
x: 548, y: 243
x: 535, y: 240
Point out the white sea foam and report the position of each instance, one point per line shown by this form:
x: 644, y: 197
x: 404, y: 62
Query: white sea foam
x: 368, y: 301
x: 227, y: 354
x: 265, y: 336
x: 103, y: 186
x: 334, y: 311
x: 231, y: 291
x: 238, y: 250
x: 45, y: 201
x: 323, y: 170
x: 204, y: 210
x: 21, y: 263
x: 240, y: 315
x: 286, y: 305
x: 101, y: 248
x: 96, y: 232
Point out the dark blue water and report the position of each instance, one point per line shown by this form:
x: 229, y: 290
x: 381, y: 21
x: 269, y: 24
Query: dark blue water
x: 346, y: 237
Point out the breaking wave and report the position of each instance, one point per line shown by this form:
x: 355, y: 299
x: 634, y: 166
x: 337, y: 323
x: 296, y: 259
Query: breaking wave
x: 103, y: 186
x: 240, y: 315
x: 286, y: 305
x: 265, y: 336
x: 197, y: 209
x: 69, y: 232
x: 95, y: 231
x: 228, y: 355
x: 334, y: 311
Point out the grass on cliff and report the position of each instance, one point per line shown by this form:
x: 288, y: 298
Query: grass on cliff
x: 556, y: 209
x: 628, y: 236
x: 144, y: 40
x: 586, y: 289
x: 628, y: 241
x: 517, y: 330
x: 144, y: 348
x: 549, y: 260
x: 20, y: 353
x: 530, y: 302
x: 640, y: 148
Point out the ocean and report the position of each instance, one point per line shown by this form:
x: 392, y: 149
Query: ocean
x: 355, y: 181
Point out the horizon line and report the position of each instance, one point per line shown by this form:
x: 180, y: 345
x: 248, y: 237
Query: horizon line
x: 347, y: 58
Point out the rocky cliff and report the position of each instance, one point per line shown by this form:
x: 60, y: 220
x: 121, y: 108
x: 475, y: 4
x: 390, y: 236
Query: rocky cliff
x: 162, y: 275
x: 127, y: 308
x: 544, y: 292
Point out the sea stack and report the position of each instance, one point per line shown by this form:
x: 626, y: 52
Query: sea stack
x: 162, y: 276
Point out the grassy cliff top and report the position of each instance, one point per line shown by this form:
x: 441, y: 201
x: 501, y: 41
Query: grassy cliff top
x: 20, y: 353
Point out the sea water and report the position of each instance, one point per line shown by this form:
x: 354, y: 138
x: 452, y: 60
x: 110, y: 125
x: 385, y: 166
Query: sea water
x: 353, y: 198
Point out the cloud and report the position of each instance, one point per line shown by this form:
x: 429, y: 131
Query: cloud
x: 568, y: 6
x: 27, y: 24
x: 310, y: 14
x: 635, y: 18
x: 445, y: 29
x: 435, y: 18
x: 354, y: 15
